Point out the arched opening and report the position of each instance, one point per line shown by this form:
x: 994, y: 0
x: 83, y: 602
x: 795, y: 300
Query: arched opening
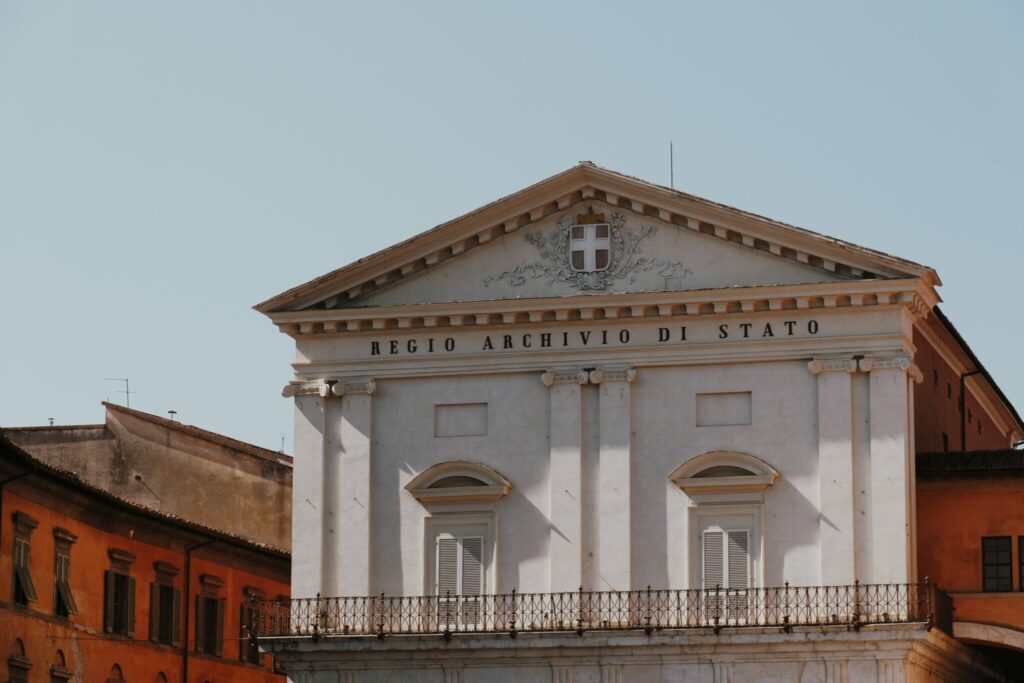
x: 59, y: 671
x: 160, y: 678
x: 115, y: 674
x: 18, y: 663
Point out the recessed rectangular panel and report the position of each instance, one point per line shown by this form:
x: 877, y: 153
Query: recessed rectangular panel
x: 460, y: 419
x: 719, y: 410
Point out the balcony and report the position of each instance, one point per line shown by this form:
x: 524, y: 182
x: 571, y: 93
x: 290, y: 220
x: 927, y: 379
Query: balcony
x: 581, y: 611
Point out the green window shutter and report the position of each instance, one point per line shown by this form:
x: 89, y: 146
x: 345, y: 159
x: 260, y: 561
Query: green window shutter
x: 243, y: 633
x: 131, y: 608
x: 108, y: 601
x: 154, y: 612
x: 220, y: 626
x: 200, y: 622
x: 176, y: 620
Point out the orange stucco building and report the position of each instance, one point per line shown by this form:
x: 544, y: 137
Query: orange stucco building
x: 970, y: 526
x: 94, y: 587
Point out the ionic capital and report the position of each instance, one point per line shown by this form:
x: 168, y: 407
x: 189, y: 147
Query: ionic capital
x: 820, y: 365
x: 340, y: 388
x: 612, y: 375
x: 564, y: 377
x: 316, y: 387
x: 899, y: 361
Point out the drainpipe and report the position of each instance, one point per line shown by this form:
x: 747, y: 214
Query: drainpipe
x: 963, y: 408
x: 188, y: 601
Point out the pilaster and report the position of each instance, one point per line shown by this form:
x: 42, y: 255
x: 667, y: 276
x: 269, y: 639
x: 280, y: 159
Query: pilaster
x: 566, y: 476
x: 347, y: 490
x: 835, y: 469
x: 307, y: 492
x: 614, y: 476
x: 891, y: 438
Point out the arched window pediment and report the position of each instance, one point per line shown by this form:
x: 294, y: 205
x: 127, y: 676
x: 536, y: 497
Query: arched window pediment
x: 724, y: 471
x: 458, y: 481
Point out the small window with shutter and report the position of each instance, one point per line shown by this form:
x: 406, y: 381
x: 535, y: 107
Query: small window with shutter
x: 64, y: 604
x: 164, y: 606
x: 119, y: 595
x: 24, y: 591
x: 726, y: 562
x: 210, y: 616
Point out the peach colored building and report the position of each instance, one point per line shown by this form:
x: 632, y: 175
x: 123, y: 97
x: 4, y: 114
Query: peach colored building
x: 94, y: 587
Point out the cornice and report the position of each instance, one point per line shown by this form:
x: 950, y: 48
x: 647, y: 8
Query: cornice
x: 911, y: 294
x: 585, y: 183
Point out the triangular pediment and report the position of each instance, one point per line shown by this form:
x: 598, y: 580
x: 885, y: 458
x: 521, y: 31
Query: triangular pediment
x: 654, y: 239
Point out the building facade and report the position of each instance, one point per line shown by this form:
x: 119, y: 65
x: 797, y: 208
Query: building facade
x: 95, y: 587
x: 600, y: 430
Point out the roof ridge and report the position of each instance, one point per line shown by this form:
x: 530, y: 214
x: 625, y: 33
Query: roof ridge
x: 199, y: 432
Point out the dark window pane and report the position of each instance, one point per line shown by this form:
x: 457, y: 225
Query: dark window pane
x: 997, y: 564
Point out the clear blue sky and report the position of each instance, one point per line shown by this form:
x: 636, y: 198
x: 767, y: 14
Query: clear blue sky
x: 163, y: 167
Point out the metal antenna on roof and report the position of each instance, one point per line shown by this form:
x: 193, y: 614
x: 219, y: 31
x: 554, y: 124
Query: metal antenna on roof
x: 51, y: 421
x: 282, y: 444
x: 671, y: 167
x: 172, y: 413
x: 127, y: 392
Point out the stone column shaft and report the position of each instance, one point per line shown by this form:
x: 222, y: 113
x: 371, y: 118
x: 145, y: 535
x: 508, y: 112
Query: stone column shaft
x: 615, y: 549
x: 566, y: 476
x: 835, y: 469
x: 889, y: 396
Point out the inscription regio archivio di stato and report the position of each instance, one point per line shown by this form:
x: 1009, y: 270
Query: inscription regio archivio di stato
x: 593, y: 337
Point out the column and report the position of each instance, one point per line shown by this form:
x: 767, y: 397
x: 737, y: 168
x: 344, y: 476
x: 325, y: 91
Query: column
x: 307, y: 491
x: 566, y: 439
x: 889, y: 397
x: 346, y: 529
x: 837, y: 541
x: 614, y: 478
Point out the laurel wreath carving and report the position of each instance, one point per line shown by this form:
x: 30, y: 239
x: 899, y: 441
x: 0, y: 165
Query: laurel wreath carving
x: 626, y: 260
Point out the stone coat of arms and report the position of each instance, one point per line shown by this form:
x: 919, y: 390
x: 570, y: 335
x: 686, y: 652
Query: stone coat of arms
x: 589, y: 251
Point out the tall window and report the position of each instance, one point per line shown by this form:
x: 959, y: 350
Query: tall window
x: 164, y: 606
x: 119, y: 595
x: 210, y: 616
x: 726, y: 558
x: 997, y: 564
x: 63, y: 600
x: 24, y: 591
x: 247, y: 650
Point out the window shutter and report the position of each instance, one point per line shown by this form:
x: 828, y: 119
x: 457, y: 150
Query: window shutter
x: 69, y: 600
x: 472, y: 566
x: 713, y: 559
x: 243, y: 633
x: 220, y: 626
x: 176, y: 623
x: 200, y: 622
x: 739, y: 559
x: 154, y: 612
x: 447, y: 566
x: 108, y: 601
x: 131, y: 607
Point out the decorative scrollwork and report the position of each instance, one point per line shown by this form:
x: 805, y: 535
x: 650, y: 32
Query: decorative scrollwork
x: 626, y: 260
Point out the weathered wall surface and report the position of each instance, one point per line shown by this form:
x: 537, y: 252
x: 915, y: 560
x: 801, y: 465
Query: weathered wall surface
x: 239, y: 490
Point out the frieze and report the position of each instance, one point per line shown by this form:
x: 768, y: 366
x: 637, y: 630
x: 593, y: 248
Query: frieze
x: 595, y: 337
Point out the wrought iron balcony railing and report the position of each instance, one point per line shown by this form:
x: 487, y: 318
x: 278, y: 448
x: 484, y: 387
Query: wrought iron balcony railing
x: 580, y: 611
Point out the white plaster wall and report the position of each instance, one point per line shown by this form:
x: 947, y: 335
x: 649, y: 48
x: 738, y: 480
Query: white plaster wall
x: 782, y: 433
x: 516, y: 445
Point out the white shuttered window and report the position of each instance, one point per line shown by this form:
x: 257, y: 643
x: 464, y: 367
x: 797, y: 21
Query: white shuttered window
x: 726, y: 558
x: 460, y: 566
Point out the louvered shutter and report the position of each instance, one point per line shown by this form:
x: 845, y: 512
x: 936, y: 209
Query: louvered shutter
x: 130, y: 621
x: 714, y: 559
x: 176, y: 620
x: 220, y: 626
x: 154, y: 612
x: 447, y: 566
x: 200, y: 623
x: 108, y: 601
x: 739, y: 559
x: 472, y: 566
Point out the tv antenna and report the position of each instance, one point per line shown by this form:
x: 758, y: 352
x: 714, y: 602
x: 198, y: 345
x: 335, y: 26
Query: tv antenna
x: 671, y: 167
x: 127, y: 391
x: 172, y: 413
